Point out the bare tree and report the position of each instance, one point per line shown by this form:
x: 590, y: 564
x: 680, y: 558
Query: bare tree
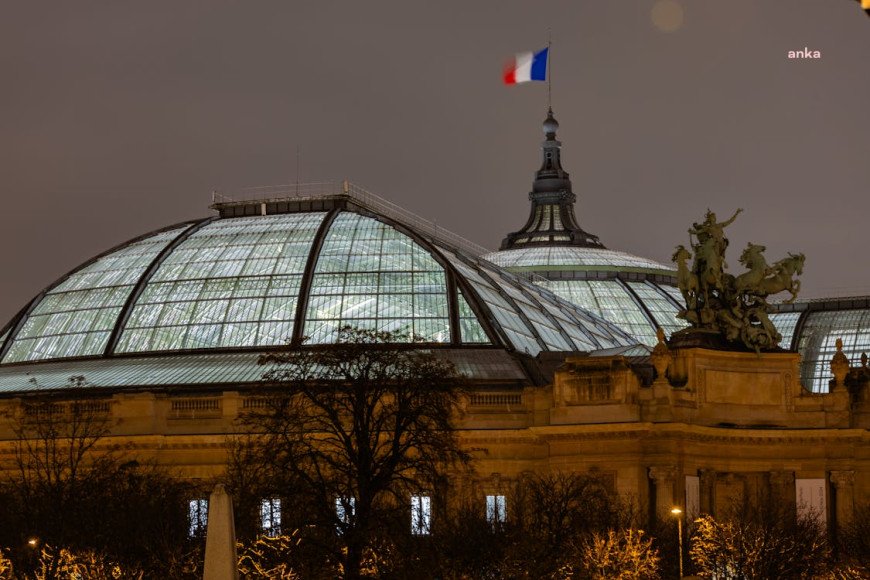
x: 549, y: 518
x: 353, y: 430
x: 268, y: 557
x: 551, y: 513
x: 56, y: 466
x: 760, y: 542
x: 854, y: 536
x: 616, y: 555
x: 68, y: 489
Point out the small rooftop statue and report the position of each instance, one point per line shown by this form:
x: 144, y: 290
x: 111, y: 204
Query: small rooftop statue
x: 724, y: 306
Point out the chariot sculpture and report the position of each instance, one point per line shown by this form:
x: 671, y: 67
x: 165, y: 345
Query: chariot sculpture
x: 722, y: 305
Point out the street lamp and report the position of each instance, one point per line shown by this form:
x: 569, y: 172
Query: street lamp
x: 678, y: 513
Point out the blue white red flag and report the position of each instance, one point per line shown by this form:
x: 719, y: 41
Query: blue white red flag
x: 527, y: 66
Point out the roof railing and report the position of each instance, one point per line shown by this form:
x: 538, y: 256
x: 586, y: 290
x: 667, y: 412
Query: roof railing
x: 361, y: 196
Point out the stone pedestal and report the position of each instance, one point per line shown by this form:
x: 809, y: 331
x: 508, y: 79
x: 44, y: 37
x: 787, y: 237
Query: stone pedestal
x: 745, y: 389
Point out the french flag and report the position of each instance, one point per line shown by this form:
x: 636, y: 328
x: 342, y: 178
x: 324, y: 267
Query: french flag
x: 528, y: 66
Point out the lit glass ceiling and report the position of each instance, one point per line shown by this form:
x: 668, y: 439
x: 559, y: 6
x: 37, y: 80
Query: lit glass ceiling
x: 369, y: 275
x: 236, y: 283
x: 638, y: 307
x: 469, y: 325
x: 817, y: 343
x: 659, y: 302
x: 76, y: 317
x: 233, y: 283
x: 574, y: 258
x: 785, y: 323
x: 532, y: 318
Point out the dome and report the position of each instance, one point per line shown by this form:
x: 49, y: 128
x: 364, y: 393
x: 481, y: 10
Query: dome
x: 573, y: 258
x: 637, y: 294
x: 294, y: 273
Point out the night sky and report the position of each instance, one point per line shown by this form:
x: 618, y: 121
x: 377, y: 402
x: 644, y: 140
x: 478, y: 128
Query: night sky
x: 117, y: 118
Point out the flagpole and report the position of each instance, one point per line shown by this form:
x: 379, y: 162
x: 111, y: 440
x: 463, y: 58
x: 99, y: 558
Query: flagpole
x: 549, y: 76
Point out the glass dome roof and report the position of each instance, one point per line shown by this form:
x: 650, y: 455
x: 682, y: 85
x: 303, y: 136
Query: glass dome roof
x: 636, y: 294
x: 812, y: 329
x: 250, y: 282
x: 556, y: 258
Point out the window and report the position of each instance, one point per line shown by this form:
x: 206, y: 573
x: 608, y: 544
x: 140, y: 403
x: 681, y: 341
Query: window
x: 496, y: 510
x: 270, y: 516
x: 197, y: 517
x: 345, y: 509
x: 421, y: 515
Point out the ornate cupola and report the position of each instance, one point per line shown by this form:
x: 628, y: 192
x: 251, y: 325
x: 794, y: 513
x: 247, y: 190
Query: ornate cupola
x: 551, y: 221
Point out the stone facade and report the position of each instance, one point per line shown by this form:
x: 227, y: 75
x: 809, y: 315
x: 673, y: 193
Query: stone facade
x: 719, y: 426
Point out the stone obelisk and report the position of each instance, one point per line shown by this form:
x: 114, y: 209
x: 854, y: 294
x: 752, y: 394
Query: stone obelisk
x: 221, y: 561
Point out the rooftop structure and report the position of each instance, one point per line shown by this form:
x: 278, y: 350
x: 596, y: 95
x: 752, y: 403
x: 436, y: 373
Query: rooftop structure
x: 635, y: 293
x: 273, y: 270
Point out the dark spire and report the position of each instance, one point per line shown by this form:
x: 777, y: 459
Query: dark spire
x: 551, y: 221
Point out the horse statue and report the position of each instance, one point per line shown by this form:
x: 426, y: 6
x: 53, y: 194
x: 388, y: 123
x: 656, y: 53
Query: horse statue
x: 686, y: 279
x: 753, y: 258
x: 719, y: 303
x: 782, y: 278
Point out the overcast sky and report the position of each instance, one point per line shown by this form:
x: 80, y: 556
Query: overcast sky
x: 117, y: 118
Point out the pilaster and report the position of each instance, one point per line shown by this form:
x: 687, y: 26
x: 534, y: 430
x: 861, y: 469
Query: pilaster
x: 844, y: 484
x: 664, y: 478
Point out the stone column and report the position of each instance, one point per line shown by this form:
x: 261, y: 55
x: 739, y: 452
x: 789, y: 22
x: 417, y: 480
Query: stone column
x: 844, y: 484
x: 664, y: 479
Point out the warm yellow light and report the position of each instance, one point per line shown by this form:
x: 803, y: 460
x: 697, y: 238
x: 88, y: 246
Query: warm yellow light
x: 667, y: 15
x: 32, y: 542
x: 676, y: 511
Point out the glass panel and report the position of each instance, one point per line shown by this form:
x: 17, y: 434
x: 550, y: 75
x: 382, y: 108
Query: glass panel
x: 421, y: 515
x: 76, y: 317
x: 557, y: 218
x: 233, y: 283
x: 520, y: 336
x: 345, y: 509
x: 197, y: 517
x: 544, y: 326
x: 662, y: 309
x: 542, y: 257
x: 496, y: 509
x: 545, y: 223
x: 609, y: 300
x: 270, y: 516
x: 587, y: 332
x: 674, y: 293
x: 785, y: 323
x: 818, y: 338
x: 470, y: 328
x: 574, y: 323
x: 369, y: 275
